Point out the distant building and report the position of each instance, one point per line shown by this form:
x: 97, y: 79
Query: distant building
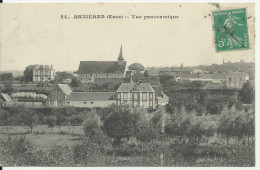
x: 212, y: 78
x: 137, y: 95
x: 89, y: 70
x: 236, y: 79
x: 90, y: 99
x: 43, y: 73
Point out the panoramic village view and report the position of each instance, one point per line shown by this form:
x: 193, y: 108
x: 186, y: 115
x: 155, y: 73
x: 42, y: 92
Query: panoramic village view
x: 114, y: 113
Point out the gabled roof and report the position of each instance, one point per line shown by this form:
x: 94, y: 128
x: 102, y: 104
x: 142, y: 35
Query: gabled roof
x: 6, y: 97
x: 88, y: 67
x: 135, y: 87
x: 42, y: 67
x: 90, y: 96
x: 65, y: 89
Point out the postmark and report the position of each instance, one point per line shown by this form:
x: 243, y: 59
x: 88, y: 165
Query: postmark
x: 231, y: 31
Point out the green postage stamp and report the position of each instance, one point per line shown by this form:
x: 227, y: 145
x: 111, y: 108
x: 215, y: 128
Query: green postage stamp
x: 231, y: 32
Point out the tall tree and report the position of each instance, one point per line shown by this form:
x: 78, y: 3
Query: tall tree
x: 28, y: 73
x: 119, y: 124
x: 247, y: 93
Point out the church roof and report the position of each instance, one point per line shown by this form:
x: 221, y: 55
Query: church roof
x: 87, y: 67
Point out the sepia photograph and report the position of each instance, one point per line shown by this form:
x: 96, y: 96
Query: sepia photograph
x: 127, y: 84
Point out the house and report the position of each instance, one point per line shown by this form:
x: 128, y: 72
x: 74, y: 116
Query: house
x: 58, y: 96
x: 136, y: 94
x: 90, y: 99
x: 5, y: 100
x: 236, y: 79
x: 89, y: 70
x: 43, y: 73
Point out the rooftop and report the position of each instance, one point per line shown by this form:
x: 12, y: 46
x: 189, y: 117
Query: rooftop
x: 90, y: 96
x: 135, y: 87
x: 88, y: 67
x: 65, y: 88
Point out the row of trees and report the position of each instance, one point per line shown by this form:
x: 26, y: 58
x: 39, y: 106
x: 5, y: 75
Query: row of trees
x: 125, y: 122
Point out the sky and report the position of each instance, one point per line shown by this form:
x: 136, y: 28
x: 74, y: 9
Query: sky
x: 36, y: 34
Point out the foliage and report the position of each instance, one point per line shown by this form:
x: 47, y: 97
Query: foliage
x: 143, y: 128
x: 6, y: 76
x: 50, y: 121
x: 28, y: 73
x: 75, y: 82
x: 118, y: 124
x: 247, y: 93
x: 136, y: 66
x: 60, y: 75
x: 9, y: 89
x: 91, y: 125
x: 29, y: 118
x: 236, y: 123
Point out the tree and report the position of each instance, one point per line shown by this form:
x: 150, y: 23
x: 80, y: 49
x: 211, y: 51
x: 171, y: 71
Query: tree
x: 28, y: 73
x: 247, y: 93
x: 119, y: 124
x: 29, y: 118
x: 6, y: 76
x: 75, y: 82
x: 9, y: 87
x: 136, y: 67
x: 59, y: 118
x: 143, y: 128
x: 60, y: 75
x: 91, y: 125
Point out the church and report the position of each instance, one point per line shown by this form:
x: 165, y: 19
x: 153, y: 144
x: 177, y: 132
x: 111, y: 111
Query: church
x: 89, y: 70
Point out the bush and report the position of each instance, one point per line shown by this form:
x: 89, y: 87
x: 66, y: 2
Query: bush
x: 50, y: 121
x: 91, y: 125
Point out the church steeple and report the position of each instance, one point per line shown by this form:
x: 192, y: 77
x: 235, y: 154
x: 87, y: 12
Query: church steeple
x: 120, y: 57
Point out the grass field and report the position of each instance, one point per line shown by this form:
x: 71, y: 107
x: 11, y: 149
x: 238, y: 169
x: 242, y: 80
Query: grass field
x: 43, y: 135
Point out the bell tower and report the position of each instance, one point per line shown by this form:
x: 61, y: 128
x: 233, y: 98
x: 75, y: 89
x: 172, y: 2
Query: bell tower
x: 120, y: 57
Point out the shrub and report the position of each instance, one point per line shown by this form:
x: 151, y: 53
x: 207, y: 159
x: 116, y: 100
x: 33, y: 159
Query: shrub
x: 91, y: 125
x: 50, y: 121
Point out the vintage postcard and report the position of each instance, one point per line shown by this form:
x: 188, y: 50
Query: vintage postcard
x: 127, y: 85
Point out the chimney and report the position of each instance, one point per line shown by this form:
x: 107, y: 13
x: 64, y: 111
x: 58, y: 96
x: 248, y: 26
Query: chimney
x: 51, y: 66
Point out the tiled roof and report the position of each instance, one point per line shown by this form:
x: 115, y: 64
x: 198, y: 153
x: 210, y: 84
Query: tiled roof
x: 65, y: 89
x: 88, y: 67
x: 90, y: 96
x: 6, y: 97
x: 129, y: 87
x: 42, y: 67
x: 150, y: 80
x: 115, y: 80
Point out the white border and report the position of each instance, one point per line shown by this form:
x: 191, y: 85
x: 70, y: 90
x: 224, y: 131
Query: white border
x: 257, y: 73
